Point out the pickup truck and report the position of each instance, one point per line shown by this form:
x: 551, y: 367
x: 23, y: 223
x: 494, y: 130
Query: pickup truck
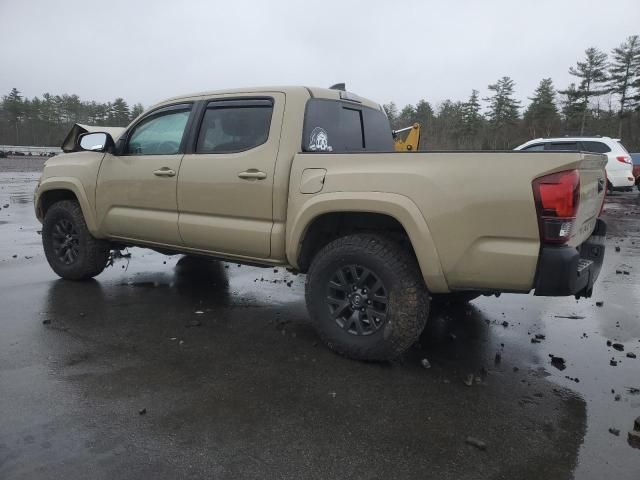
x: 308, y: 179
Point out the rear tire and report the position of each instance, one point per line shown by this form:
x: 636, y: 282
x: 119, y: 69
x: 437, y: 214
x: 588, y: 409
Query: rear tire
x: 366, y: 297
x: 72, y: 252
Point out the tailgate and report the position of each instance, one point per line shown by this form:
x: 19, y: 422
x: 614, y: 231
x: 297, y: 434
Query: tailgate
x: 592, y: 192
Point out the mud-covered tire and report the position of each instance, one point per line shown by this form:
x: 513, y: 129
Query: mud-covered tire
x: 90, y: 254
x: 385, y: 261
x: 455, y: 298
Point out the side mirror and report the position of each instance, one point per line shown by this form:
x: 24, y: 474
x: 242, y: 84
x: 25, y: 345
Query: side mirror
x: 96, y: 142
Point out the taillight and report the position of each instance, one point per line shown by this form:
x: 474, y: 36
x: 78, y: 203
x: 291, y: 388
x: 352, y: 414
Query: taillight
x: 557, y: 197
x: 624, y: 159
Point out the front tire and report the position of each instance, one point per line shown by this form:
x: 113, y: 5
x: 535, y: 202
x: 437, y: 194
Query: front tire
x: 366, y: 297
x: 72, y: 252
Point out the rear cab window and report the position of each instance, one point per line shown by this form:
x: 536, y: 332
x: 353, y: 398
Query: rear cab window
x: 336, y: 126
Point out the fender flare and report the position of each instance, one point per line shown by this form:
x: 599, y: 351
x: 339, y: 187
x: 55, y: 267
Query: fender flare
x: 397, y: 206
x: 74, y: 186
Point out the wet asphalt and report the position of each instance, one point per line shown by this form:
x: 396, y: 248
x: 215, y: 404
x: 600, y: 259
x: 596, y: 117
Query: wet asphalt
x: 180, y: 367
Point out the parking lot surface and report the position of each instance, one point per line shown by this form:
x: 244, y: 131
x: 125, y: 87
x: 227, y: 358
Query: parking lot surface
x: 181, y: 367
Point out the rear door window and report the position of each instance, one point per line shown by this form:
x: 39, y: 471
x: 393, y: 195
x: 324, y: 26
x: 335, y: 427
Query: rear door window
x: 562, y: 146
x: 230, y: 126
x: 597, y: 147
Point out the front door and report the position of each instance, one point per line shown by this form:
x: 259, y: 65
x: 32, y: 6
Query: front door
x: 136, y: 190
x: 225, y: 186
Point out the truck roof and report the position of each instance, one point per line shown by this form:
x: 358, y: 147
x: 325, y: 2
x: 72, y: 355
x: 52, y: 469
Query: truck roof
x: 315, y: 92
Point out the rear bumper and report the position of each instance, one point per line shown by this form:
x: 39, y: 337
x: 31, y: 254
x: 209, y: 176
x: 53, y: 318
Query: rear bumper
x: 564, y: 271
x: 621, y: 178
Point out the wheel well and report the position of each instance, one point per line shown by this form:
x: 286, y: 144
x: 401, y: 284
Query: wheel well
x: 331, y: 226
x: 50, y: 197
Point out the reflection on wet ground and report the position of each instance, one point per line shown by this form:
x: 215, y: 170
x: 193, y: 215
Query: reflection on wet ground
x: 233, y: 382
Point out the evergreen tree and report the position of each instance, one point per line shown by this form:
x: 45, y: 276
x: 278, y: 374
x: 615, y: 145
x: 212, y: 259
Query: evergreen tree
x: 572, y: 109
x: 120, y: 114
x: 426, y: 118
x: 541, y: 117
x: 14, y: 108
x: 471, y: 118
x: 622, y: 72
x: 503, y: 111
x: 136, y: 111
x: 392, y: 113
x: 592, y: 73
x: 407, y: 116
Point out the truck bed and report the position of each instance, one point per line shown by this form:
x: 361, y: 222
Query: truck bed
x: 477, y: 207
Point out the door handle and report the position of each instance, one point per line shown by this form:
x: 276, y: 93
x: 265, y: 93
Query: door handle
x: 252, y: 174
x: 164, y: 172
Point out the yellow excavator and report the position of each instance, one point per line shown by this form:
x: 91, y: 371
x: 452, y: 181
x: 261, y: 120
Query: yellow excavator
x: 408, y: 142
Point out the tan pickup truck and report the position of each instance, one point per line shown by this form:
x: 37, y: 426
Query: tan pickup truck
x: 307, y: 178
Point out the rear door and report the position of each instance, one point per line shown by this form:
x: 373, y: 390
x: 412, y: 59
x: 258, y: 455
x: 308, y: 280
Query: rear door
x: 136, y: 190
x: 225, y: 186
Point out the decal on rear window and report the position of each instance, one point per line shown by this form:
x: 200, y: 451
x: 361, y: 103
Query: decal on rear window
x: 319, y: 141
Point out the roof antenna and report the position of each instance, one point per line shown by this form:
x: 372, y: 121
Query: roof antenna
x: 339, y: 86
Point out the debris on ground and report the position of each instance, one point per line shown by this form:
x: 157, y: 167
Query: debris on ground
x: 613, y: 363
x: 194, y: 323
x: 505, y: 324
x: 476, y: 442
x: 425, y: 363
x: 570, y: 317
x: 498, y: 358
x: 599, y: 303
x: 469, y: 380
x: 46, y: 321
x: 618, y: 346
x: 142, y: 411
x: 558, y: 362
x: 617, y: 248
x: 614, y: 431
x: 540, y: 336
x: 634, y: 436
x: 198, y: 312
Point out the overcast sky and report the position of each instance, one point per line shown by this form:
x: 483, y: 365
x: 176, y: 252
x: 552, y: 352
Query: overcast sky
x: 403, y: 51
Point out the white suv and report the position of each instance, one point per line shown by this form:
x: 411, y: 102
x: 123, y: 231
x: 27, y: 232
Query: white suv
x: 619, y: 167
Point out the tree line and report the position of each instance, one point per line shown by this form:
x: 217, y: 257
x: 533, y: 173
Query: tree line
x: 603, y: 100
x: 46, y: 121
